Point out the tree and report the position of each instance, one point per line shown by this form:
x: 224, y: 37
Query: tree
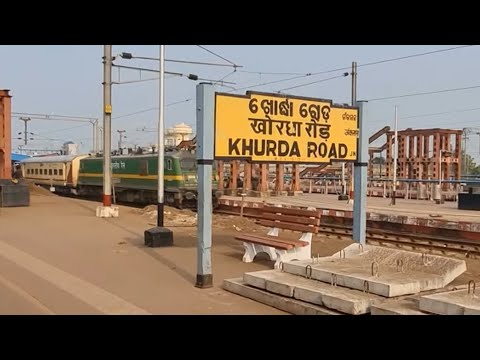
x: 469, y: 166
x: 378, y: 160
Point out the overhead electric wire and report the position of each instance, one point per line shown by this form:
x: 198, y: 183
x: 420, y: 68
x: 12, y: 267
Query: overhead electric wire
x: 425, y: 93
x: 150, y: 109
x: 64, y: 129
x: 215, y: 54
x: 315, y: 82
x: 47, y: 116
x: 359, y: 65
x: 440, y: 113
x: 269, y: 73
x: 223, y: 78
x: 269, y: 83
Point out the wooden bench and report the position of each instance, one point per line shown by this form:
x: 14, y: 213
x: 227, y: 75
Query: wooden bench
x: 282, y: 249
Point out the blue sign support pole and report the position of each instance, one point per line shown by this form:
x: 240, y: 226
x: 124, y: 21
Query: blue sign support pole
x: 205, y: 139
x: 360, y: 177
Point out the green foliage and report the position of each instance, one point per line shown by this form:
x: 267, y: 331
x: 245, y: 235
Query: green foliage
x: 470, y: 167
x: 378, y: 160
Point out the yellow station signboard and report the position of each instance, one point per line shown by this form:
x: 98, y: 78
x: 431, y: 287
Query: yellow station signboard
x: 263, y: 127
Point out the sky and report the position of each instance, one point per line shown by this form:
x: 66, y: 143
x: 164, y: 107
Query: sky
x: 67, y: 80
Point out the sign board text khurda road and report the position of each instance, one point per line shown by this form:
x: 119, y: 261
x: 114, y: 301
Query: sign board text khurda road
x: 264, y: 127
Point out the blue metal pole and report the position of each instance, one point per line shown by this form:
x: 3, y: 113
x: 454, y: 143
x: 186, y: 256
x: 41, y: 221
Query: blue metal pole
x: 360, y: 173
x: 205, y: 139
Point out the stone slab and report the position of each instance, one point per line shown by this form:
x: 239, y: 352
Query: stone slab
x: 457, y: 302
x: 107, y: 211
x: 348, y: 301
x: 292, y: 306
x: 471, y: 312
x: 386, y: 272
x: 397, y: 307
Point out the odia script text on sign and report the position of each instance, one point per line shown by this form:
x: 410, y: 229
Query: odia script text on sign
x: 277, y: 128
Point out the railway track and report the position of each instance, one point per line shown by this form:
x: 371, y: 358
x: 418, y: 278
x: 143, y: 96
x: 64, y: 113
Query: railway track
x: 405, y: 241
x: 434, y: 245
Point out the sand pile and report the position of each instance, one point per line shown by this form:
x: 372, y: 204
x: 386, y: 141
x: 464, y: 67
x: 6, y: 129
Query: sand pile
x: 172, y: 216
x: 38, y: 190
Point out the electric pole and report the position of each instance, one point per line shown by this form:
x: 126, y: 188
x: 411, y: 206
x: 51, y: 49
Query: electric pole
x: 120, y: 132
x: 478, y: 133
x: 395, y: 159
x: 107, y: 121
x: 107, y: 210
x: 94, y: 123
x: 354, y: 103
x: 465, y: 138
x: 26, y: 120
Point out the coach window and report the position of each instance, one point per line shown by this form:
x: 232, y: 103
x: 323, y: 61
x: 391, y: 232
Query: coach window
x: 60, y: 172
x: 55, y: 172
x: 36, y: 171
x: 50, y: 172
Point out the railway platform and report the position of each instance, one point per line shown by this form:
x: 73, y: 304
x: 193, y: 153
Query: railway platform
x: 57, y: 257
x: 418, y: 213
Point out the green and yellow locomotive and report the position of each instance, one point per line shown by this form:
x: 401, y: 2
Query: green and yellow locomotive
x: 134, y: 177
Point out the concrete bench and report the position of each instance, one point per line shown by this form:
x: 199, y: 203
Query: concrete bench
x: 281, y: 249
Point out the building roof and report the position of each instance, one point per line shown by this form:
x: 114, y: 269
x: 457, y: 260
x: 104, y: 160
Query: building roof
x: 19, y: 157
x: 52, y: 159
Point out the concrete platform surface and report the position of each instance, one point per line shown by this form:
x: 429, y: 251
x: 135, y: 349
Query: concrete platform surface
x: 57, y: 257
x: 415, y: 208
x: 458, y: 302
x: 345, y: 300
x: 396, y: 307
x: 240, y: 287
x: 384, y: 271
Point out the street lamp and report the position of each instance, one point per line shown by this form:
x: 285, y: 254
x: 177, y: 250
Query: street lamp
x: 159, y: 235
